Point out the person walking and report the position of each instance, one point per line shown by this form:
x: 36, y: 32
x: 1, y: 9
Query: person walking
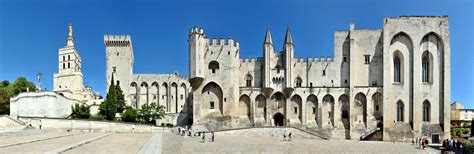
x: 203, y: 137
x: 40, y: 124
x: 289, y: 137
x: 212, y: 136
x: 284, y: 136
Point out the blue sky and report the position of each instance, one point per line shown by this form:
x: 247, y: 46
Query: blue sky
x: 31, y: 32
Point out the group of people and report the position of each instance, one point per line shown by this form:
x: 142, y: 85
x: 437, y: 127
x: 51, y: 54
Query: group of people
x: 289, y: 136
x: 186, y: 132
x: 422, y: 142
x: 29, y: 124
x: 452, y: 145
x: 189, y: 132
x: 204, y: 137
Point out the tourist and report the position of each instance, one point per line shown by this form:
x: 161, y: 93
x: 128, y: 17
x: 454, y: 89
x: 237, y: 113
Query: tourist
x: 40, y: 123
x: 203, y: 137
x: 284, y: 135
x: 212, y: 136
x: 179, y: 130
x: 289, y: 137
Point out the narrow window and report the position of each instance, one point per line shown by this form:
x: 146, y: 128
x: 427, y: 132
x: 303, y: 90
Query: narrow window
x: 426, y: 111
x: 426, y: 70
x: 211, y: 105
x: 118, y: 82
x: 324, y: 72
x: 400, y: 111
x: 345, y: 59
x: 298, y: 82
x: 296, y: 110
x: 68, y: 65
x: 397, y: 71
x: 367, y: 59
x: 314, y: 110
x: 114, y: 69
x: 345, y: 81
x: 181, y: 97
x: 118, y: 53
x: 68, y: 57
x: 64, y: 65
x: 64, y: 58
x: 248, y: 80
x: 310, y: 84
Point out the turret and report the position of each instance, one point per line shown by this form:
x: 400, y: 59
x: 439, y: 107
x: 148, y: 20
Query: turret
x: 289, y: 49
x: 268, y: 53
x: 197, y: 45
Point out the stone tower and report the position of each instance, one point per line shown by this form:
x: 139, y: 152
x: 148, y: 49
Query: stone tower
x: 119, y: 61
x: 197, y: 45
x: 69, y: 79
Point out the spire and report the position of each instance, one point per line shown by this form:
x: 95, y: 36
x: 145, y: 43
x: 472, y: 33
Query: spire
x: 288, y: 39
x: 70, y: 39
x: 268, y: 37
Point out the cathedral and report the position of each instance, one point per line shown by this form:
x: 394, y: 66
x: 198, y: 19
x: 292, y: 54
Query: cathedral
x: 393, y: 82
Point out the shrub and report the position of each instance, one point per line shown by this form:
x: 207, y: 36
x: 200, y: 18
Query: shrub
x: 162, y: 124
x: 97, y: 117
x: 148, y: 113
x: 80, y: 111
x: 130, y: 115
x: 169, y: 124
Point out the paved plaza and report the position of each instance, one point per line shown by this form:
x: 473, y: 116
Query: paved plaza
x: 34, y: 141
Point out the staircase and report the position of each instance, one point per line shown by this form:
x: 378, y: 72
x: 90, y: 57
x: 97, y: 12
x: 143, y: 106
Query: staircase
x: 370, y: 133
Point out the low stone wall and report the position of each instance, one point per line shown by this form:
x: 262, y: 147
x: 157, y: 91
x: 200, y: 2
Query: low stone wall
x: 92, y: 126
x: 268, y: 132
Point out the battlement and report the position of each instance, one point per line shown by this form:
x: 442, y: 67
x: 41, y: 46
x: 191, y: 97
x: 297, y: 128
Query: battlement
x: 222, y: 42
x: 249, y: 59
x: 118, y: 40
x: 320, y: 59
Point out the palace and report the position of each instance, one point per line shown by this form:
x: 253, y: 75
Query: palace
x: 394, y: 80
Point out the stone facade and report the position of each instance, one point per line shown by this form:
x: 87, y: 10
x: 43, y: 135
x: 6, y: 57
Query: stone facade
x: 169, y: 90
x: 41, y: 104
x: 396, y: 78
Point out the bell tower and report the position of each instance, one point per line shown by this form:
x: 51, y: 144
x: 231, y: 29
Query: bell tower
x: 69, y: 79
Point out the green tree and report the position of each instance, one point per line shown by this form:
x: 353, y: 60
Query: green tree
x: 8, y: 90
x: 130, y: 114
x: 80, y: 111
x: 20, y: 85
x: 148, y: 113
x: 108, y: 108
x: 120, y: 99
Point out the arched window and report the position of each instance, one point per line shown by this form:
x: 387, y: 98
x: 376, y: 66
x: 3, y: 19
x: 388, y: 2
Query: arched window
x: 64, y: 65
x: 248, y: 80
x: 64, y: 58
x: 426, y: 68
x: 298, y: 81
x: 68, y: 65
x: 68, y: 57
x: 213, y: 65
x: 426, y: 111
x: 397, y: 69
x: 400, y: 111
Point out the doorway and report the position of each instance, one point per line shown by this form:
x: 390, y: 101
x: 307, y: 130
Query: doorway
x: 279, y: 119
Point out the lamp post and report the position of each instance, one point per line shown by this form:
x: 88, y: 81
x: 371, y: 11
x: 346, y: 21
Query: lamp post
x: 38, y: 84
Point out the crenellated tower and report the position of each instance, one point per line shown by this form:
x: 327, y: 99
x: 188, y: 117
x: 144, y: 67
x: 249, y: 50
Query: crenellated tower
x: 119, y: 62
